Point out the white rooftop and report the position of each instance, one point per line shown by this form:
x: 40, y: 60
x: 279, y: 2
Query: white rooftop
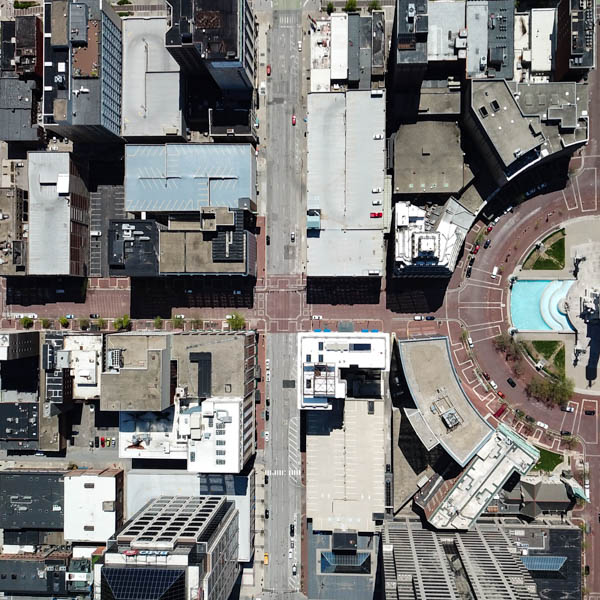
x: 339, y: 46
x: 345, y: 467
x: 321, y: 355
x: 345, y: 164
x: 151, y: 98
x: 446, y: 19
x: 477, y: 36
x: 85, y: 353
x: 542, y: 31
x: 320, y: 60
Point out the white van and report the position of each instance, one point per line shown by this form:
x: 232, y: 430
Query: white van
x: 494, y: 273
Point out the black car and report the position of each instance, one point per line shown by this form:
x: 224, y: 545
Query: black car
x: 266, y: 415
x: 587, y: 569
x: 94, y: 316
x: 471, y: 261
x: 468, y: 273
x: 511, y: 382
x: 266, y: 513
x: 430, y: 318
x: 266, y: 479
x: 268, y: 401
x: 97, y: 442
x: 487, y: 243
x: 565, y: 432
x: 590, y: 413
x: 292, y: 530
x: 529, y: 419
x: 268, y: 240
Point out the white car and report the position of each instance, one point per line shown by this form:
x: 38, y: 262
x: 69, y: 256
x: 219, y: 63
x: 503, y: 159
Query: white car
x: 268, y: 376
x: 470, y: 341
x: 179, y: 317
x: 569, y: 409
x: 266, y: 436
x: 267, y: 364
x: 317, y: 317
x: 418, y: 318
x: 493, y: 384
x: 542, y: 424
x: 290, y: 553
x: 299, y: 45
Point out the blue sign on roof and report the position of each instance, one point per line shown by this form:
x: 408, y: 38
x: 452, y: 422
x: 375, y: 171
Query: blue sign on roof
x: 543, y: 563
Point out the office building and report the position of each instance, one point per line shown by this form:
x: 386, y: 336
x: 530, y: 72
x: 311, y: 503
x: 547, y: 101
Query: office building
x: 420, y: 563
x: 19, y: 344
x: 347, y: 205
x: 13, y: 229
x: 152, y: 97
x: 93, y: 504
x: 145, y: 484
x: 215, y: 241
x: 218, y: 37
x: 82, y: 70
x: 18, y: 110
x: 175, y: 548
x: 58, y: 216
x: 22, y: 47
x: 575, y: 38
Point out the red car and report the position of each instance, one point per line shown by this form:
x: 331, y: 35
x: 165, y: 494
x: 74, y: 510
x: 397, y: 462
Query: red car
x: 487, y: 376
x: 476, y: 249
x: 500, y: 411
x: 102, y: 442
x: 268, y: 70
x: 490, y: 228
x: 293, y: 119
x: 376, y: 215
x: 501, y: 394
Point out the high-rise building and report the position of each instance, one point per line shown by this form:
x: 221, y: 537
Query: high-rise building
x: 175, y: 548
x: 82, y: 70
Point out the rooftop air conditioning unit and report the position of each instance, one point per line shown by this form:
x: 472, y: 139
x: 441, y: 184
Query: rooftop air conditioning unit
x: 113, y: 359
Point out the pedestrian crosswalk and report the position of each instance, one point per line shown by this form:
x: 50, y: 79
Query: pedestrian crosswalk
x: 282, y: 472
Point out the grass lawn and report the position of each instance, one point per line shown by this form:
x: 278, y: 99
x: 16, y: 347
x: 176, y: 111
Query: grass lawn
x: 546, y: 347
x: 559, y: 361
x: 553, y: 257
x: 548, y: 460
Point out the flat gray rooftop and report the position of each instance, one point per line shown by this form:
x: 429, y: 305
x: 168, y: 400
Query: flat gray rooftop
x: 428, y: 159
x: 438, y: 393
x: 151, y: 104
x: 185, y: 177
x: 494, y: 105
x: 345, y: 162
x: 446, y: 19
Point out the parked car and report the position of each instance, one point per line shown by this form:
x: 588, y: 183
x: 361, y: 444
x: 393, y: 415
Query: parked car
x: 179, y: 316
x: 268, y: 376
x: 267, y: 363
x: 91, y: 443
x: 92, y: 408
x: 299, y: 45
x: 487, y: 243
x: 476, y: 249
x: 430, y: 318
x: 266, y: 436
x: 97, y: 441
x: 268, y: 401
x: 266, y: 415
x: 493, y: 385
x: 114, y: 441
x: 565, y: 432
x: 290, y: 553
x: 268, y: 240
x: 294, y: 570
x: 418, y: 318
x: 376, y: 215
x: 529, y: 419
x: 490, y: 227
x: 486, y: 375
x: 293, y: 236
x: 469, y: 271
x: 70, y: 316
x: 542, y: 424
x: 108, y: 442
x: 293, y: 119
x: 567, y: 409
x: 590, y: 413
x: 266, y: 561
x: 94, y: 316
x: 266, y: 479
x: 500, y: 411
x: 292, y: 530
x: 266, y: 513
x: 317, y: 317
x: 501, y: 394
x: 268, y: 70
x: 471, y: 261
x: 470, y: 341
x: 103, y: 441
x: 511, y: 382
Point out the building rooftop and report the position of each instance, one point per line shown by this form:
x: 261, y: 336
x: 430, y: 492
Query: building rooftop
x: 443, y: 413
x: 93, y: 510
x: 152, y: 103
x: 186, y: 177
x: 514, y: 139
x: 211, y: 25
x: 582, y: 36
x: 344, y: 491
x: 446, y: 22
x: 19, y: 424
x: 18, y: 110
x: 345, y: 164
x: 542, y: 43
x: 428, y: 159
x: 14, y: 259
x: 34, y: 575
x: 439, y: 98
x: 85, y: 363
x: 168, y: 521
x: 412, y: 24
x: 31, y: 499
x: 208, y: 364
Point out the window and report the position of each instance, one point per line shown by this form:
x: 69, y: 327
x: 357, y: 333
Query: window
x: 89, y: 486
x: 320, y: 358
x: 220, y: 442
x: 88, y: 528
x: 320, y: 345
x: 221, y: 452
x: 220, y: 432
x: 308, y: 358
x: 220, y: 461
x: 228, y: 388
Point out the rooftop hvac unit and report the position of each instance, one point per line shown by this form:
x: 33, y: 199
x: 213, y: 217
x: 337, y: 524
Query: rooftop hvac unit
x: 113, y: 359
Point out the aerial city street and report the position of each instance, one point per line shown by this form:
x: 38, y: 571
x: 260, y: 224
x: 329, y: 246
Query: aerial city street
x: 299, y: 299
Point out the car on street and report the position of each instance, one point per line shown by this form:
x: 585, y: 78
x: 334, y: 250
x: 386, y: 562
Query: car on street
x: 92, y: 408
x: 542, y: 424
x: 293, y: 236
x: 471, y: 261
x: 290, y: 553
x: 493, y: 385
x: 70, y: 316
x: 266, y: 479
x: 317, y: 317
x: 294, y: 570
x: 293, y: 119
x: 268, y: 401
x: 487, y: 243
x: 38, y: 453
x: 418, y: 318
x: 430, y: 318
x: 97, y: 441
x: 565, y: 432
x: 567, y: 409
x: 266, y: 513
x: 490, y: 227
x: 268, y: 240
x: 103, y: 442
x: 299, y: 45
x: 94, y: 316
x: 266, y: 561
x: 268, y: 70
x: 470, y: 341
x: 91, y: 443
x: 511, y: 382
x: 590, y: 413
x: 266, y: 415
x: 266, y: 436
x: 486, y: 376
x: 469, y: 271
x: 476, y: 249
x: 114, y: 442
x: 268, y: 377
x: 501, y: 394
x: 267, y: 363
x: 292, y: 530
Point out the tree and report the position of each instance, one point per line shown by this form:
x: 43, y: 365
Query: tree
x: 562, y: 391
x: 351, y: 6
x: 101, y: 323
x: 502, y: 342
x: 158, y: 323
x: 330, y: 8
x: 197, y: 323
x: 64, y: 322
x: 46, y: 323
x: 178, y: 323
x: 123, y: 323
x: 84, y: 324
x: 27, y: 322
x: 374, y: 5
x: 236, y: 321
